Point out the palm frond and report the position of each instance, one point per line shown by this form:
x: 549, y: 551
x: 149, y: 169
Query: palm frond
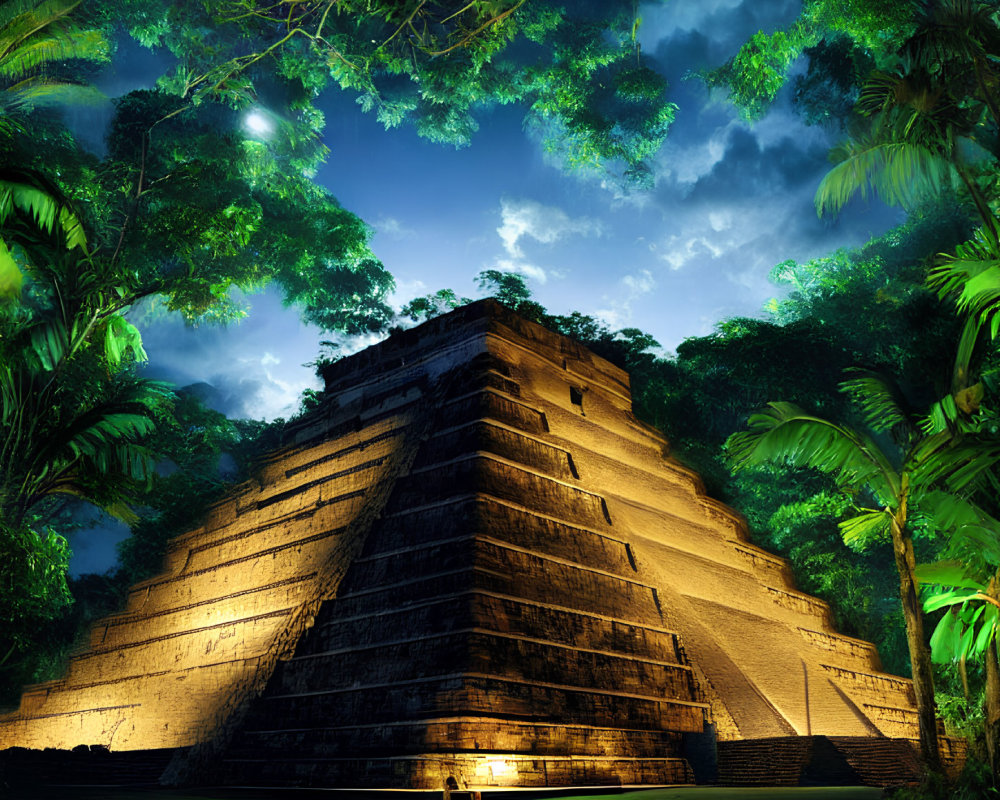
x: 784, y: 433
x: 41, y: 92
x: 20, y: 20
x: 947, y: 511
x: 879, y: 92
x: 971, y: 276
x: 49, y: 343
x: 42, y: 202
x: 941, y: 417
x: 984, y: 539
x: 98, y: 434
x: 878, y: 399
x: 866, y: 528
x: 64, y: 45
x: 964, y: 465
x: 899, y: 172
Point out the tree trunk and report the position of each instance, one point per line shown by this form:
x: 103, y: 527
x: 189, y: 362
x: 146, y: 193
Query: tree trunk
x: 992, y: 723
x: 920, y: 657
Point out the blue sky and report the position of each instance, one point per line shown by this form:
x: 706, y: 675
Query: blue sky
x: 730, y: 201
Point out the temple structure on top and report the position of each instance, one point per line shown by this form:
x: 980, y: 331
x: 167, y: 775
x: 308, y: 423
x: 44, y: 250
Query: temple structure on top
x: 472, y: 567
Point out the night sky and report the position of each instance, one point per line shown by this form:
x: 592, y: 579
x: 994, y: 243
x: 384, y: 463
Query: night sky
x: 730, y: 201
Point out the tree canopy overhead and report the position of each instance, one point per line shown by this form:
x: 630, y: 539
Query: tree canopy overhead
x: 577, y: 69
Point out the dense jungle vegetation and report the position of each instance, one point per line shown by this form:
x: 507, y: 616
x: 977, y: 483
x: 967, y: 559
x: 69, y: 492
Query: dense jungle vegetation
x: 870, y: 385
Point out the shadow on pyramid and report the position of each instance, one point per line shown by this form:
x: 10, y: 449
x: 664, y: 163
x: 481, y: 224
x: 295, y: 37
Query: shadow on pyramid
x: 471, y: 568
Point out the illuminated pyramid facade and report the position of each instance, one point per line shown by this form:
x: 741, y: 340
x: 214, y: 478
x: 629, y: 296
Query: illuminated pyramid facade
x: 472, y: 567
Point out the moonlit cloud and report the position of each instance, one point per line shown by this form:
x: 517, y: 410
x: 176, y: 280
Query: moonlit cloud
x: 629, y: 289
x: 528, y: 219
x: 393, y: 228
x: 678, y: 252
x: 252, y: 369
x: 523, y: 268
x: 545, y: 224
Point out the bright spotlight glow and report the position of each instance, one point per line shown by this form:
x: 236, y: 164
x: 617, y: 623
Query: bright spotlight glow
x: 258, y: 123
x: 498, y: 768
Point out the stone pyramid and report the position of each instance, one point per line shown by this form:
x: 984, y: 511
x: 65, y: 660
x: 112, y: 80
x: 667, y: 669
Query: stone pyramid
x: 471, y: 568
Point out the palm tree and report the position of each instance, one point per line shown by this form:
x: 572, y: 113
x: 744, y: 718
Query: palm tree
x: 923, y: 116
x: 35, y: 34
x: 968, y: 584
x: 903, y: 483
x: 71, y: 417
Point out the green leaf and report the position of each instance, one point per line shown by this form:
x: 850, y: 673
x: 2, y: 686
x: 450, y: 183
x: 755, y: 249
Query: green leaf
x: 934, y: 602
x: 946, y: 573
x: 864, y: 529
x: 987, y: 632
x: 899, y: 172
x: 49, y: 343
x: 122, y: 336
x: 945, y: 639
x: 784, y: 433
x: 986, y: 540
x: 11, y: 278
x: 878, y: 400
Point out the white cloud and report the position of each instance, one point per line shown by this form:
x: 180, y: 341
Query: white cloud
x: 405, y: 291
x: 392, y: 227
x: 630, y: 288
x: 640, y: 284
x: 720, y: 220
x: 685, y: 164
x: 545, y: 224
x: 523, y: 268
x: 677, y: 254
x: 269, y: 358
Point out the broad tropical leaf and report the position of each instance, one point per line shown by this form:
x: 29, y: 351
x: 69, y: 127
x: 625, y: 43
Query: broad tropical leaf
x: 950, y: 512
x: 899, y: 172
x: 945, y: 641
x: 956, y: 639
x: 949, y: 598
x: 985, y: 540
x: 784, y: 433
x: 947, y: 573
x: 866, y: 528
x: 879, y: 401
